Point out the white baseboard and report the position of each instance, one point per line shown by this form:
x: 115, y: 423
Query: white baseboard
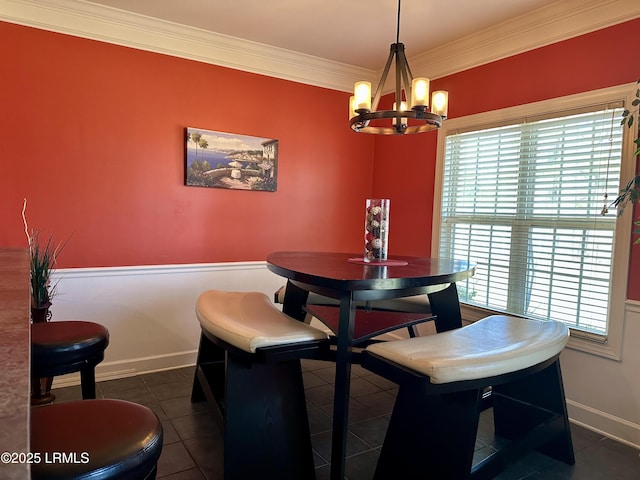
x: 609, y: 426
x: 129, y: 368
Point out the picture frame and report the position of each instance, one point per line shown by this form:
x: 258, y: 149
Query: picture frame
x: 216, y: 159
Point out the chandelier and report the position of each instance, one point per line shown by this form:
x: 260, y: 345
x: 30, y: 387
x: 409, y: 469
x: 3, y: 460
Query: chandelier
x: 417, y: 118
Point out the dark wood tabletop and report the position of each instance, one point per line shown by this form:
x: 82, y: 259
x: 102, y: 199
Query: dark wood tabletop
x: 324, y: 272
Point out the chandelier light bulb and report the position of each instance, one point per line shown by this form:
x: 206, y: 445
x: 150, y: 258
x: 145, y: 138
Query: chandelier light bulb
x: 403, y: 108
x: 420, y: 92
x: 440, y: 103
x: 362, y: 94
x: 352, y: 106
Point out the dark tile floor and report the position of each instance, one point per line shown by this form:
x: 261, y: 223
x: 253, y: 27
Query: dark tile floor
x: 193, y: 443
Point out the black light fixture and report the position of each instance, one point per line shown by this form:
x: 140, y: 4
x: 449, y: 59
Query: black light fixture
x: 420, y: 117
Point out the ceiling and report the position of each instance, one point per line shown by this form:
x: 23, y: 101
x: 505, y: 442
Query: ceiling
x: 328, y: 43
x: 354, y: 32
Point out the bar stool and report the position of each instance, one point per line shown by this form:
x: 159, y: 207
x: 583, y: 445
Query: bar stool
x: 95, y: 439
x: 248, y: 366
x: 68, y: 346
x: 443, y: 381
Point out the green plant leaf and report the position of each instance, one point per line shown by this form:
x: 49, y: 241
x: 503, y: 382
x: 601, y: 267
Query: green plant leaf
x: 43, y: 253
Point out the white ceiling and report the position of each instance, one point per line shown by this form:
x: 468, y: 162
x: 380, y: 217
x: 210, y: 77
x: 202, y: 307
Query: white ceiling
x: 354, y: 32
x: 329, y: 43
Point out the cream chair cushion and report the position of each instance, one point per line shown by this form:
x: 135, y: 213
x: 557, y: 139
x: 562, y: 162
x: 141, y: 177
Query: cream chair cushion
x: 492, y: 346
x: 248, y: 320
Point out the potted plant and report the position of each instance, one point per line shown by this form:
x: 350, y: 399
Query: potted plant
x: 43, y: 259
x: 43, y: 255
x: 631, y: 192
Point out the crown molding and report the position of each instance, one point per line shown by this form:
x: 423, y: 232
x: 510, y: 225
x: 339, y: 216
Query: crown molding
x: 559, y: 21
x: 110, y: 25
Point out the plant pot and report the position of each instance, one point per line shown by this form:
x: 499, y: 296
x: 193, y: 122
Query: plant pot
x: 41, y: 387
x: 40, y: 314
x: 41, y: 391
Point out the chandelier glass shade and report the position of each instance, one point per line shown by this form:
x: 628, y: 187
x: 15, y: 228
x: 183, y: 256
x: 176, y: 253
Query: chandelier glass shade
x: 411, y: 111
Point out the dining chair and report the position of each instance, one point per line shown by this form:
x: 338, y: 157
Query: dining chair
x: 248, y: 368
x: 445, y: 381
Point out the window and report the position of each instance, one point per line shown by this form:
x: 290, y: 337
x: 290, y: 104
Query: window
x: 522, y: 198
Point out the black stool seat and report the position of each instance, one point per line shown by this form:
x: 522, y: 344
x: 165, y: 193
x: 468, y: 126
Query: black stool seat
x: 59, y: 345
x: 106, y: 439
x: 68, y: 346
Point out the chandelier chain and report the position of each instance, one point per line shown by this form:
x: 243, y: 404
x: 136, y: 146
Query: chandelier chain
x: 398, y: 24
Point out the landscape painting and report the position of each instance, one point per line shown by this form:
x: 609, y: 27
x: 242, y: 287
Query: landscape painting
x: 228, y: 160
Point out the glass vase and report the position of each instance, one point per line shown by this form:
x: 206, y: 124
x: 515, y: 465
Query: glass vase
x: 376, y: 230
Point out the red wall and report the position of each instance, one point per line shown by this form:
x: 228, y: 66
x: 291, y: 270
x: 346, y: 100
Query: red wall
x: 404, y: 172
x: 405, y: 168
x: 92, y: 134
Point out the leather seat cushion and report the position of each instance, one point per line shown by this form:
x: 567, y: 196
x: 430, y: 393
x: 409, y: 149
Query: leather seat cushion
x: 492, y: 346
x: 120, y: 440
x: 249, y: 320
x: 69, y: 341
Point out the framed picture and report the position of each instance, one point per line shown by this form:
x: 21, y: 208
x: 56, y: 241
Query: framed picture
x: 228, y: 160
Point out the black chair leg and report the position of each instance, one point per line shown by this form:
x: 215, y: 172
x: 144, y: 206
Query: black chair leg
x: 152, y: 475
x: 413, y: 331
x: 520, y: 406
x: 88, y: 382
x: 209, y: 376
x: 430, y: 436
x: 266, y: 425
x: 197, y: 393
x: 446, y: 307
x: 295, y: 298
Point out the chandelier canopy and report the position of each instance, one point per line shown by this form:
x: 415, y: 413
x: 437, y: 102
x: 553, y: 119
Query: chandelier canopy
x: 418, y: 117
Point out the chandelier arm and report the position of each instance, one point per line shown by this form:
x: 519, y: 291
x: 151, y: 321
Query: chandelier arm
x: 406, y: 75
x: 406, y: 64
x: 383, y: 80
x: 399, y: 67
x: 408, y: 69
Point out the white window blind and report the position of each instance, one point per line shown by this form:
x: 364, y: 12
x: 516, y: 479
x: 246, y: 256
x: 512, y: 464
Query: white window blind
x: 524, y: 202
